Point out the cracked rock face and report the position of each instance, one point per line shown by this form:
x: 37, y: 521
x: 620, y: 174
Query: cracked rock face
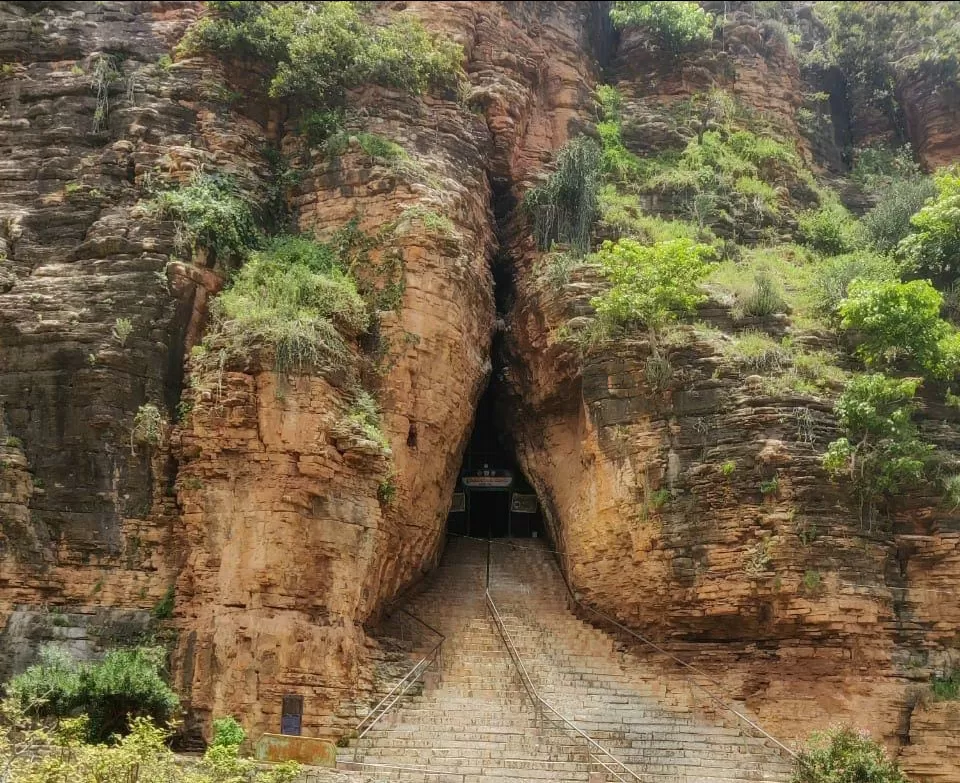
x: 282, y: 530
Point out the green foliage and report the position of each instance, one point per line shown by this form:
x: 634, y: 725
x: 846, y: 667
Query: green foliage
x: 755, y: 351
x: 163, y: 610
x: 148, y: 426
x: 765, y: 298
x: 875, y: 168
x: 126, y: 684
x: 951, y: 491
x: 431, y: 220
x: 842, y: 755
x: 122, y: 329
x: 946, y: 688
x: 293, y: 298
x: 318, y: 125
x: 900, y: 323
x: 228, y: 732
x: 677, y: 26
x: 556, y: 267
x: 364, y: 414
x: 882, y: 451
x: 770, y: 486
x: 622, y: 215
x: 316, y: 52
x: 933, y: 248
x: 565, y: 207
x: 812, y: 581
x: 211, y: 214
x: 728, y: 468
x: 890, y: 221
x: 830, y: 230
x: 832, y: 277
x: 651, y: 285
x: 33, y: 754
x: 876, y: 43
x: 659, y: 498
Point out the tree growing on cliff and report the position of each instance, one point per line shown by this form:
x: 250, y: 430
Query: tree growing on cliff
x: 899, y: 324
x: 651, y: 285
x: 932, y: 249
x: 842, y: 755
x: 676, y: 26
x: 881, y: 451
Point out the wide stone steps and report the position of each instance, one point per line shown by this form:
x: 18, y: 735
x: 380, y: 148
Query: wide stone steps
x: 473, y: 721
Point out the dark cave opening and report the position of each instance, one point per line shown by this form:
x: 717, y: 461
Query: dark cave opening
x: 493, y: 499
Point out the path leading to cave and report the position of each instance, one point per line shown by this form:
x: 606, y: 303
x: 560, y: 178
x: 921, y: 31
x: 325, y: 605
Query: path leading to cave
x: 477, y: 723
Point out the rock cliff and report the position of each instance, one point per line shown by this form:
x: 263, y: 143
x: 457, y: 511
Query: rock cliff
x: 279, y: 531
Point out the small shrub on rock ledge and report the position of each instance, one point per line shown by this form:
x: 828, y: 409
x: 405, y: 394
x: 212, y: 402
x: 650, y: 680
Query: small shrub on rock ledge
x: 842, y: 755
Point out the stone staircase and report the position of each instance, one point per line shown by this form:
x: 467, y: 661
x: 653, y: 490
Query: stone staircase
x: 474, y: 721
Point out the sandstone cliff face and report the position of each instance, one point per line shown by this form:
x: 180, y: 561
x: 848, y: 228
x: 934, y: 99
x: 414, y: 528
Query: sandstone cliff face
x: 805, y: 613
x: 264, y: 506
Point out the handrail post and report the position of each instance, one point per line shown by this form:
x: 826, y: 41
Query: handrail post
x: 488, y: 564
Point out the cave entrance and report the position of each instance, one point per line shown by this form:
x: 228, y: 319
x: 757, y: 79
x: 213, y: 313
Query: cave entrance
x: 492, y: 499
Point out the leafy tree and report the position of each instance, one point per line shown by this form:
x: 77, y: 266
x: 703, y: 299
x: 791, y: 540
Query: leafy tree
x: 882, y: 452
x: 677, y: 26
x: 901, y: 323
x: 651, y: 284
x: 565, y: 207
x: 933, y: 248
x: 842, y: 755
x: 126, y: 684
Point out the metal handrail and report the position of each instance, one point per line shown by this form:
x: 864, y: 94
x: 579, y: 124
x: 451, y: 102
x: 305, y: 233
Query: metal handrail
x: 403, y: 684
x: 535, y: 695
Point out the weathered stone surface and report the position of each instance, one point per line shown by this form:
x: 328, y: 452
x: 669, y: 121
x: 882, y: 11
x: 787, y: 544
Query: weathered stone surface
x: 269, y: 516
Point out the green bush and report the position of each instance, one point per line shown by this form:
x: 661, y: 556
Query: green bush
x: 899, y: 323
x: 565, y: 207
x: 364, y: 413
x: 765, y: 298
x: 126, y: 684
x: 210, y: 214
x: 651, y: 285
x: 622, y: 215
x: 889, y: 222
x: 677, y: 26
x: 842, y: 755
x: 318, y: 51
x: 876, y: 168
x: 882, y: 452
x: 294, y: 298
x: 832, y: 277
x: 830, y: 230
x: 228, y: 732
x: 932, y: 249
x: 142, y: 756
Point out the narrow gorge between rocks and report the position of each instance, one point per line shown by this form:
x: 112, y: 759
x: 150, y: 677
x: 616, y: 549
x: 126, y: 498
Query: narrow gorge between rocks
x: 329, y: 330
